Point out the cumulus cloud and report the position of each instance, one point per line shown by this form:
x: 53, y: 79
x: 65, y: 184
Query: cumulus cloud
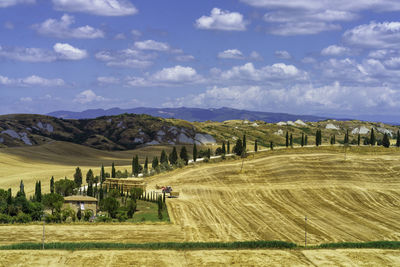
x: 178, y: 75
x: 8, y: 3
x: 127, y: 58
x: 152, y: 45
x: 27, y: 54
x: 283, y: 54
x: 30, y: 81
x: 231, y: 54
x: 62, y: 29
x: 335, y: 50
x: 97, y: 7
x: 68, y: 52
x: 222, y: 20
x: 88, y: 96
x: 374, y: 35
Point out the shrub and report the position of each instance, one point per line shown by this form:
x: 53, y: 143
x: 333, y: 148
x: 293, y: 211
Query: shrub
x: 87, y: 215
x: 4, y: 218
x: 103, y: 219
x: 23, y: 218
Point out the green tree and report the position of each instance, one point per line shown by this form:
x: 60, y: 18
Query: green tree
x: 208, y: 155
x: 113, y: 170
x: 52, y: 184
x: 291, y: 140
x: 89, y: 176
x: 194, y: 152
x: 346, y: 138
x: 64, y: 187
x: 398, y: 138
x: 102, y: 174
x: 238, y: 149
x: 53, y: 201
x: 136, y: 165
x: 79, y: 214
x: 154, y: 164
x: 146, y: 165
x: 244, y: 143
x: 287, y: 139
x: 223, y: 148
x: 271, y: 145
x: 184, y: 155
x: 38, y: 191
x: 305, y: 140
x: 110, y: 205
x: 173, y: 157
x: 228, y: 147
x: 302, y: 139
x: 359, y: 140
x: 22, y: 188
x: 372, y: 139
x: 385, y: 140
x: 163, y: 157
x: 255, y: 146
x: 78, y: 177
x: 89, y: 189
x: 131, y: 208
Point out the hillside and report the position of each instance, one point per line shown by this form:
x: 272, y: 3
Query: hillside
x: 189, y: 114
x: 129, y: 131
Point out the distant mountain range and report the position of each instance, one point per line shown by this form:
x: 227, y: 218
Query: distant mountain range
x: 189, y: 114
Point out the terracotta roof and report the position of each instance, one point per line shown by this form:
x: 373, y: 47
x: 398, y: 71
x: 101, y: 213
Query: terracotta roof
x: 80, y: 198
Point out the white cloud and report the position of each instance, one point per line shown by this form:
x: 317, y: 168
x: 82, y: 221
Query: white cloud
x: 136, y: 33
x: 107, y: 80
x: 8, y: 3
x: 27, y: 54
x: 88, y: 96
x: 255, y: 56
x: 178, y: 75
x: 120, y: 36
x: 128, y: 58
x: 68, y: 52
x: 222, y: 20
x: 184, y: 58
x: 152, y: 45
x: 302, y: 28
x: 25, y: 99
x: 283, y: 54
x: 393, y: 62
x: 61, y: 29
x: 97, y: 7
x: 231, y: 54
x: 335, y: 50
x: 30, y: 81
x: 374, y: 35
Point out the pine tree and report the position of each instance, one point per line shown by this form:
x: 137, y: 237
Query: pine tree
x: 228, y: 148
x: 89, y: 176
x: 184, y: 155
x: 398, y: 138
x: 385, y: 140
x: 173, y: 157
x: 52, y: 184
x: 78, y: 177
x: 359, y: 140
x: 287, y: 139
x: 113, y: 170
x: 163, y: 157
x: 223, y: 148
x: 372, y: 139
x: 154, y: 163
x: 244, y: 144
x: 291, y: 140
x: 255, y: 146
x: 302, y: 139
x: 102, y: 174
x: 194, y: 152
x: 146, y: 165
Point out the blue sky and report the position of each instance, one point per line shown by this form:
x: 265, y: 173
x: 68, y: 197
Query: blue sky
x: 338, y: 58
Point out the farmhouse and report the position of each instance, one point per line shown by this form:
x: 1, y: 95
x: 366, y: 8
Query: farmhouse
x: 82, y: 202
x: 125, y: 183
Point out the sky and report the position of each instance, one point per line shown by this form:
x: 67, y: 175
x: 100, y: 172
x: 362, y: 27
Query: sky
x: 328, y: 57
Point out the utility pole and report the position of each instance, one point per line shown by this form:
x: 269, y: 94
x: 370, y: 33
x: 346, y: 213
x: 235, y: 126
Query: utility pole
x: 305, y: 232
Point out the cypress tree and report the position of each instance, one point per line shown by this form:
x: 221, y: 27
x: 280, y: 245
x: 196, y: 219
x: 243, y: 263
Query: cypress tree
x: 238, y: 149
x: 244, y: 143
x: 372, y: 139
x: 271, y: 145
x: 113, y: 170
x: 38, y: 192
x: 102, y: 174
x: 228, y: 148
x: 359, y: 140
x: 137, y: 166
x: 302, y: 139
x: 305, y: 140
x: 255, y: 146
x: 146, y: 165
x: 194, y: 152
x: 223, y: 148
x: 208, y: 153
x: 183, y: 155
x: 287, y: 139
x: 133, y: 165
x: 52, y: 184
x: 90, y: 189
x: 398, y: 138
x: 291, y: 140
x: 163, y: 157
x: 78, y: 177
x: 9, y: 197
x: 346, y: 138
x: 89, y: 176
x: 385, y: 140
x: 101, y: 193
x: 154, y: 164
x: 173, y: 157
x: 79, y: 214
x: 22, y: 188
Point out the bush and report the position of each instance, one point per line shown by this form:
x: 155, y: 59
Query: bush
x: 103, y: 219
x: 4, y: 218
x: 87, y: 215
x: 23, y: 218
x: 122, y: 214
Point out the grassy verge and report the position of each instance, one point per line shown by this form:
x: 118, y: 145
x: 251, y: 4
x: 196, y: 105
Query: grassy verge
x: 153, y: 246
x: 372, y: 244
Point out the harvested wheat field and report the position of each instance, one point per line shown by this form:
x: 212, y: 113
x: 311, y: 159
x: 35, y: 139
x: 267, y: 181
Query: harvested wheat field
x: 349, y: 257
